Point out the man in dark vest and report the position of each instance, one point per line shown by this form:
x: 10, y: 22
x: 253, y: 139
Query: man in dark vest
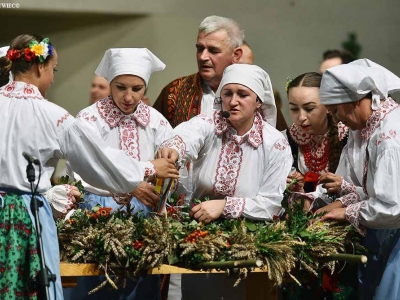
x: 219, y: 44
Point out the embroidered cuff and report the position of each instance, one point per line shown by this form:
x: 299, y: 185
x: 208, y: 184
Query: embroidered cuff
x: 176, y: 143
x: 297, y: 195
x: 353, y: 216
x: 234, y: 207
x: 122, y: 198
x: 346, y: 188
x: 348, y: 199
x: 60, y: 198
x: 149, y: 170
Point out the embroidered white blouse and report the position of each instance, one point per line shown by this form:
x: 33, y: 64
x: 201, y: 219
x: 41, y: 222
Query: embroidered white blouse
x: 138, y: 134
x: 370, y: 167
x: 30, y: 123
x: 248, y: 171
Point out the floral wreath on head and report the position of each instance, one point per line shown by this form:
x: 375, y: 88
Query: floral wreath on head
x: 40, y: 50
x: 288, y: 81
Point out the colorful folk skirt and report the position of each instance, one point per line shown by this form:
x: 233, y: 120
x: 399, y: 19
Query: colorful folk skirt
x: 19, y: 259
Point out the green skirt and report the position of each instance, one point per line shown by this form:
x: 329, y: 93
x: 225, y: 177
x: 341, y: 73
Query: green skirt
x: 19, y: 259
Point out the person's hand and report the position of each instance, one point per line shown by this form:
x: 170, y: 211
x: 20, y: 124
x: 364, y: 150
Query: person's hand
x: 147, y: 194
x: 330, y: 207
x: 168, y: 153
x: 165, y: 168
x: 331, y: 181
x: 208, y: 211
x: 298, y: 185
x: 76, y: 194
x: 306, y: 205
x: 336, y: 214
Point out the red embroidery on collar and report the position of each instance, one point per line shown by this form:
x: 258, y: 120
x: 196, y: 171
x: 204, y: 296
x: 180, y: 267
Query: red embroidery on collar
x: 254, y: 137
x: 21, y: 90
x: 377, y: 116
x: 10, y: 87
x: 303, y: 138
x: 343, y: 131
x: 316, y: 153
x: 112, y: 115
x: 221, y: 123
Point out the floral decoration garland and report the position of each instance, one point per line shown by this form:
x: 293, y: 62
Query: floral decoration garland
x: 129, y: 245
x: 35, y: 49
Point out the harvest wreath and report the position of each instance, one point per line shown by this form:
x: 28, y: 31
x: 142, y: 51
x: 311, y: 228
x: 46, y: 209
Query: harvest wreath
x: 127, y: 245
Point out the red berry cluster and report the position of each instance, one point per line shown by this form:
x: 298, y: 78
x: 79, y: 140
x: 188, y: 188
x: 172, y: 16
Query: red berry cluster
x: 171, y: 210
x: 137, y: 245
x: 192, y: 238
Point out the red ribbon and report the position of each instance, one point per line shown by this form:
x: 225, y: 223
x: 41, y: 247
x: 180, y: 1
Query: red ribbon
x: 312, y: 178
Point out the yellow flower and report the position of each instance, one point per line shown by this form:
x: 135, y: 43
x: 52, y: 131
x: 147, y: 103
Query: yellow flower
x: 37, y: 49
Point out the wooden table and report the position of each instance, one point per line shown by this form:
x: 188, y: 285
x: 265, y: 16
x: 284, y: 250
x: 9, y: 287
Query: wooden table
x: 258, y: 286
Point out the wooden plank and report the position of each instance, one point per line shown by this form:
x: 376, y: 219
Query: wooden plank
x: 258, y: 285
x: 67, y: 269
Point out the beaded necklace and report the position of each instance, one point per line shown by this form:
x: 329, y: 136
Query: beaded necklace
x: 313, y: 162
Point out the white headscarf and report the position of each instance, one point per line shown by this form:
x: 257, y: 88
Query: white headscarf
x: 392, y: 81
x: 258, y: 81
x: 352, y: 82
x: 140, y: 62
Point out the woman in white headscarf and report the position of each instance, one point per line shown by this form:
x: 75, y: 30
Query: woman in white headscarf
x: 124, y: 122
x: 369, y: 190
x: 239, y: 160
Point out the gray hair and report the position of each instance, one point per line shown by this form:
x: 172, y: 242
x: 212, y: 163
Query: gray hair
x: 213, y: 24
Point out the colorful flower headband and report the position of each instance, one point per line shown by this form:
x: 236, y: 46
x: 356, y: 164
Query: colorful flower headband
x: 288, y: 81
x: 35, y: 49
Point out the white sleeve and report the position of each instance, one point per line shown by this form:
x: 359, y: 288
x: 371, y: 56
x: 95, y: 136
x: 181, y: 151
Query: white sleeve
x: 60, y: 199
x: 163, y: 132
x: 268, y: 201
x: 189, y: 137
x: 98, y: 164
x: 383, y: 210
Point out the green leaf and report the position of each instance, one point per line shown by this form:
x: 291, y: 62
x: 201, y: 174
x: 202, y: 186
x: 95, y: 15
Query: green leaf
x: 304, y: 234
x: 250, y: 225
x: 193, y: 223
x: 172, y: 258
